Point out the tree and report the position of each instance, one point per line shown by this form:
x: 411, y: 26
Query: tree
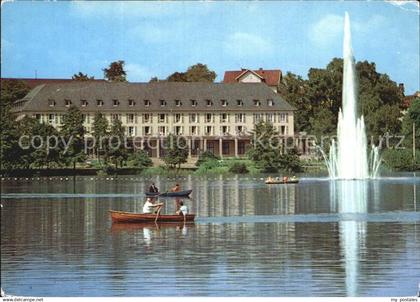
x: 140, y: 159
x: 117, y: 152
x: 115, y: 72
x: 154, y: 80
x: 290, y: 162
x: 50, y: 154
x: 200, y: 73
x: 205, y: 157
x: 11, y: 91
x: 266, y: 147
x: 73, y: 133
x: 100, y: 132
x: 82, y: 77
x: 195, y: 73
x: 412, y: 117
x: 176, y: 151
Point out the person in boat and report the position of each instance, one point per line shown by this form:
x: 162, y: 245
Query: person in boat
x: 177, y: 188
x: 153, y: 188
x: 293, y: 178
x: 270, y: 179
x: 150, y: 207
x: 183, y: 209
x: 285, y: 179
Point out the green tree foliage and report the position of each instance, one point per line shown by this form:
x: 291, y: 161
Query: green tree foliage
x: 139, y: 159
x: 195, y: 73
x: 118, y: 150
x: 176, y: 151
x: 400, y: 160
x: 100, y: 133
x: 82, y: 77
x: 11, y: 91
x: 205, y: 157
x: 115, y: 72
x: 265, y: 150
x: 154, y: 80
x: 73, y: 132
x: 412, y: 117
x: 238, y: 168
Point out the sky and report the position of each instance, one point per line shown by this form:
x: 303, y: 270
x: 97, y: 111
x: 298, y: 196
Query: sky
x: 59, y: 39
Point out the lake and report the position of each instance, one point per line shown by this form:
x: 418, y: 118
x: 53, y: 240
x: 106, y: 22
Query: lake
x: 315, y: 238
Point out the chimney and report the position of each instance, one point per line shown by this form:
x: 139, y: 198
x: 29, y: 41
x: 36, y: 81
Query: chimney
x: 401, y: 87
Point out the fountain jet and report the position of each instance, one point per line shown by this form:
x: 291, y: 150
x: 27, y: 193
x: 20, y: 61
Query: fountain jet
x: 348, y: 158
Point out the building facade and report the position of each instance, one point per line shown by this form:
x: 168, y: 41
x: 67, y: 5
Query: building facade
x: 213, y: 117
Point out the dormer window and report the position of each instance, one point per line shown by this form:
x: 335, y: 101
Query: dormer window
x: 193, y: 103
x: 51, y: 103
x: 131, y: 103
x: 84, y: 103
x: 162, y: 103
x: 178, y: 103
x: 115, y: 103
x: 270, y: 103
x: 146, y: 103
x: 209, y: 103
x: 67, y: 103
x: 224, y: 103
x: 99, y: 103
x: 257, y: 103
x: 239, y: 103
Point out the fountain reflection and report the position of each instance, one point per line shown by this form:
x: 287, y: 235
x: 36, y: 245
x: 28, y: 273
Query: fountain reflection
x: 351, y: 197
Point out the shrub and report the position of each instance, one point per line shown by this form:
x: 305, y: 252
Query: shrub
x: 238, y: 168
x: 139, y: 159
x: 401, y: 160
x: 205, y: 157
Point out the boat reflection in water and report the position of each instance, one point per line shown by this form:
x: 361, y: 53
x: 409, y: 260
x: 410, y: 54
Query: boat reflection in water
x: 151, y: 230
x: 351, y: 197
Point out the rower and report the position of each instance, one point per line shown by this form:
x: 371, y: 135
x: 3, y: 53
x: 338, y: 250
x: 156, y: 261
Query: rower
x: 150, y: 207
x: 153, y: 188
x: 177, y: 188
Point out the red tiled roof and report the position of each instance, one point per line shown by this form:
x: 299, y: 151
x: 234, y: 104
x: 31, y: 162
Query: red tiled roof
x: 271, y: 77
x: 31, y: 82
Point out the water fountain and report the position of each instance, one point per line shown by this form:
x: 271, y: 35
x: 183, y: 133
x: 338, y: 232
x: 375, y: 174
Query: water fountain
x: 348, y: 157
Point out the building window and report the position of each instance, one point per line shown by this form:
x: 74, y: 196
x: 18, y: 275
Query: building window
x: 282, y: 130
x: 146, y: 103
x: 147, y: 118
x: 193, y: 118
x: 115, y: 103
x: 114, y: 117
x: 240, y: 118
x: 99, y: 103
x: 283, y: 117
x: 131, y: 103
x: 225, y: 148
x: 84, y: 103
x: 270, y: 103
x: 131, y: 131
x: 210, y: 147
x: 178, y: 130
x: 178, y: 118
x: 240, y: 129
x: 193, y: 103
x: 257, y: 103
x: 162, y: 130
x: 162, y: 103
x: 51, y: 103
x: 194, y: 130
x: 130, y: 118
x: 270, y: 117
x: 224, y: 117
x: 209, y: 103
x: 241, y: 148
x: 51, y: 118
x: 38, y: 117
x: 257, y: 117
x: 240, y: 103
x: 209, y: 130
x: 162, y: 117
x: 225, y: 130
x: 178, y: 103
x: 209, y: 117
x: 147, y: 130
x: 67, y: 103
x: 224, y: 103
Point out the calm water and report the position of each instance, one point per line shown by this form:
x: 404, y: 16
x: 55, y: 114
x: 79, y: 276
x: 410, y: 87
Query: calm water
x: 316, y: 238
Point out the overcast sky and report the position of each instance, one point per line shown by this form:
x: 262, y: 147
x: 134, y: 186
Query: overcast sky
x: 158, y: 38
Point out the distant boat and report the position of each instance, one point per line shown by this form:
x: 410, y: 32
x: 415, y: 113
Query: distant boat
x: 281, y: 181
x: 120, y: 216
x: 169, y: 194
